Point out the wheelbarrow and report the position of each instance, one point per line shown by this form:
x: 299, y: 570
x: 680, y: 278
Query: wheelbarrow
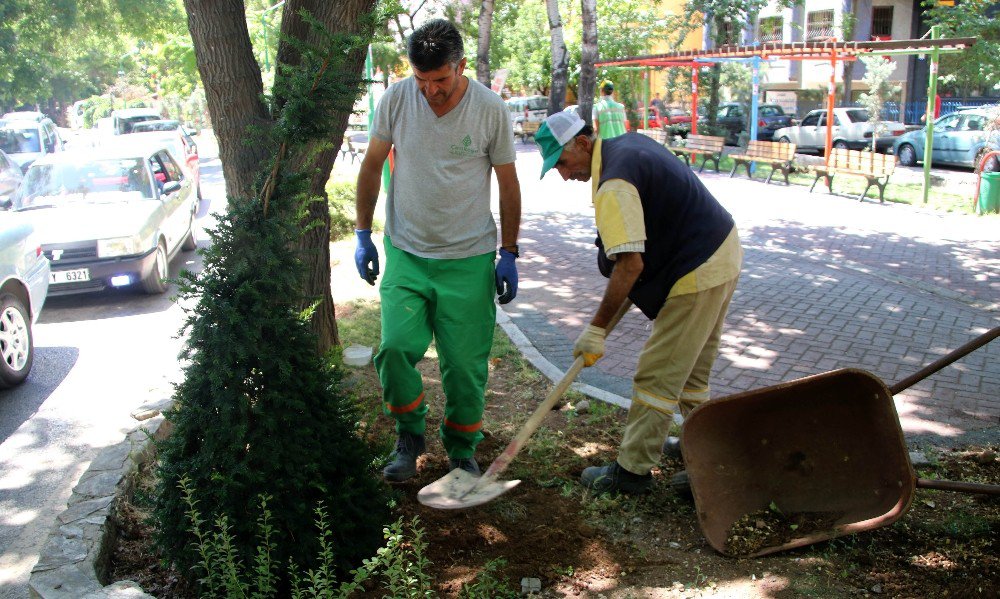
x: 825, y: 452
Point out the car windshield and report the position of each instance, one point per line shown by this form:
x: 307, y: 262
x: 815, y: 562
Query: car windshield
x: 20, y: 141
x: 93, y: 182
x: 770, y: 111
x: 857, y: 115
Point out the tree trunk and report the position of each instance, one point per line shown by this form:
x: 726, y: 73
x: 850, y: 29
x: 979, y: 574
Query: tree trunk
x: 560, y: 60
x: 233, y: 87
x: 588, y: 56
x: 483, y: 50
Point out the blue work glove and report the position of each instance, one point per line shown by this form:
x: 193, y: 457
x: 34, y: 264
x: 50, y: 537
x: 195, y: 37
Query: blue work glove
x: 506, y: 277
x: 366, y: 254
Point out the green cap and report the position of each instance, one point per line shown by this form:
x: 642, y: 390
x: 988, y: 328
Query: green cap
x: 554, y: 134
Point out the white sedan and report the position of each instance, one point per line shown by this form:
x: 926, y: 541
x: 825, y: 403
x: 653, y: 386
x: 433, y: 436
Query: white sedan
x: 24, y: 281
x: 111, y: 217
x: 851, y: 130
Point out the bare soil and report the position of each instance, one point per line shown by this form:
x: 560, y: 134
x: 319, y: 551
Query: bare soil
x: 580, y: 545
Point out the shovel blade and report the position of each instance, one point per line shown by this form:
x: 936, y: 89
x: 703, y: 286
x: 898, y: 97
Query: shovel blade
x: 458, y: 490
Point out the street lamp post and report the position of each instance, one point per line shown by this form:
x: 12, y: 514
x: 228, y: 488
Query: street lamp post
x: 263, y: 26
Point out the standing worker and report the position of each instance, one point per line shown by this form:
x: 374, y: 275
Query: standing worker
x: 609, y: 119
x: 440, y: 241
x: 671, y: 249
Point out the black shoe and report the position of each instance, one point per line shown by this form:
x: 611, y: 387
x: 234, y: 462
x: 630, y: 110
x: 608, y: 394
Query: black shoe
x: 672, y: 448
x: 615, y: 479
x: 681, y: 485
x: 467, y: 464
x: 404, y: 459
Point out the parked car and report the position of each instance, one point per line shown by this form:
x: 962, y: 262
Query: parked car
x: 961, y: 138
x: 10, y: 178
x: 851, y: 130
x: 176, y: 140
x: 529, y: 108
x: 109, y: 217
x: 734, y: 117
x: 26, y: 136
x: 124, y: 119
x: 24, y: 282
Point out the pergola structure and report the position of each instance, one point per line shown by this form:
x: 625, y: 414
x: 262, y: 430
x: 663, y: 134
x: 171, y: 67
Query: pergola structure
x: 833, y: 51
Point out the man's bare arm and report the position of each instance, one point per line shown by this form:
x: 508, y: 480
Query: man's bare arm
x: 510, y: 203
x: 369, y: 182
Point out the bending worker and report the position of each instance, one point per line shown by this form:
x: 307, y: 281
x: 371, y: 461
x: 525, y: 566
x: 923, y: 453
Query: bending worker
x: 440, y: 242
x: 671, y: 249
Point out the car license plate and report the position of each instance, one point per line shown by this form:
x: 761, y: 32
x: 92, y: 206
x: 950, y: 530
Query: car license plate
x: 69, y: 276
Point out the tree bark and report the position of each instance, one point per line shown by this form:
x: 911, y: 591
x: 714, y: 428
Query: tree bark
x: 483, y: 50
x: 588, y: 56
x: 560, y: 60
x: 233, y: 87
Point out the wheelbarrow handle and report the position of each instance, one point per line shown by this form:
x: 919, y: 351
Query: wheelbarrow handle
x: 930, y: 369
x: 954, y: 485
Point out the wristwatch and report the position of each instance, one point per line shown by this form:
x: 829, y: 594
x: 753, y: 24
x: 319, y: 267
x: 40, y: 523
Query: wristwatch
x: 514, y: 251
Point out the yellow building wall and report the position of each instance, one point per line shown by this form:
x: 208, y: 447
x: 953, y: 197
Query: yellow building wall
x: 693, y: 41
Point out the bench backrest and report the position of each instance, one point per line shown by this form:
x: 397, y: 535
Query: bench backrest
x: 707, y: 143
x: 530, y: 126
x: 771, y: 150
x: 869, y: 163
x: 658, y: 134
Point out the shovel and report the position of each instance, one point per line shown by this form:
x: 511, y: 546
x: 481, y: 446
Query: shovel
x: 458, y: 489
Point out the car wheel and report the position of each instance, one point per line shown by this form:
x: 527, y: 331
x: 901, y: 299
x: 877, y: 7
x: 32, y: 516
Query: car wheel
x: 191, y: 241
x: 991, y: 166
x: 840, y: 145
x: 784, y: 139
x: 907, y: 155
x: 16, y: 345
x: 154, y: 282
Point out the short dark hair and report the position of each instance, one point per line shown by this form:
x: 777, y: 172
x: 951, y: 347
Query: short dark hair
x: 435, y: 44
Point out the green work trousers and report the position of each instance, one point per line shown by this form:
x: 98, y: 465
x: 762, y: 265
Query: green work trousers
x: 451, y: 301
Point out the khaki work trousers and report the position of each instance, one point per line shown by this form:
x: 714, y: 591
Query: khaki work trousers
x: 673, y: 371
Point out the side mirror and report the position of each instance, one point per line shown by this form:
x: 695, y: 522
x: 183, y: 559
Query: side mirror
x: 170, y: 187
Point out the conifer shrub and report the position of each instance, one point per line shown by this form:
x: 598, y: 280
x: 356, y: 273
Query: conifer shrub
x: 259, y: 411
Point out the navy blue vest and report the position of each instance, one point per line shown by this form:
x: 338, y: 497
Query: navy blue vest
x: 685, y: 224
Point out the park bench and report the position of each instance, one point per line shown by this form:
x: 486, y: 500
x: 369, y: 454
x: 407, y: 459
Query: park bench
x: 874, y: 167
x: 355, y: 145
x: 655, y: 134
x: 709, y: 146
x: 528, y: 129
x: 776, y: 153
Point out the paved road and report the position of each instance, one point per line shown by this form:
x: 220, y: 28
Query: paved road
x: 98, y: 358
x: 828, y: 282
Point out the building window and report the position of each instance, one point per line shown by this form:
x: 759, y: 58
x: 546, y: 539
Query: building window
x: 882, y: 23
x: 771, y: 29
x: 819, y: 25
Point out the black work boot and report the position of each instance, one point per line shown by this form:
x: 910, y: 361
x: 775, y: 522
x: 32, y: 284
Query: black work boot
x: 672, y: 448
x: 467, y: 464
x: 404, y: 459
x: 615, y: 479
x: 681, y: 484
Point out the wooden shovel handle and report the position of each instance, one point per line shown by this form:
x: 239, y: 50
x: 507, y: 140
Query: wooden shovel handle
x: 954, y: 485
x: 503, y: 460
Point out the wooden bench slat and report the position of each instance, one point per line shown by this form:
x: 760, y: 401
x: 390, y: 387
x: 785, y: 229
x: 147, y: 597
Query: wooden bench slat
x: 778, y: 154
x: 876, y: 168
x: 709, y: 146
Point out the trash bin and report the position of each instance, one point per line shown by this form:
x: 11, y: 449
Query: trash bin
x: 989, y: 193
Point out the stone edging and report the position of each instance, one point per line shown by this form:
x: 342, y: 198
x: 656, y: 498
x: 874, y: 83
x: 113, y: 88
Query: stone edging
x: 76, y: 554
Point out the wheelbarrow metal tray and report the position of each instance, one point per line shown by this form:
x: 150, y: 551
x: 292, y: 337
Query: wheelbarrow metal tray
x: 828, y: 445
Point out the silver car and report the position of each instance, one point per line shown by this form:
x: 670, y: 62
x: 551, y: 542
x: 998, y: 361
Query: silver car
x: 109, y: 217
x: 851, y: 131
x: 962, y: 138
x: 10, y: 179
x: 24, y: 282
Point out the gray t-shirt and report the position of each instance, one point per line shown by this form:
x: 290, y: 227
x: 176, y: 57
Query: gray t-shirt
x: 439, y: 198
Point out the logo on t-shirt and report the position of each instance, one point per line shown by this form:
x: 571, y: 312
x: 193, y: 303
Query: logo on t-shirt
x: 465, y: 149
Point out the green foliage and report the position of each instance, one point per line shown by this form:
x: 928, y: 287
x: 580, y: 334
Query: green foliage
x: 259, y: 411
x: 877, y: 73
x: 977, y: 69
x: 341, y: 198
x: 486, y: 584
x: 222, y: 573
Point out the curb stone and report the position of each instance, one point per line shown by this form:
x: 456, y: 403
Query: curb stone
x: 75, y: 557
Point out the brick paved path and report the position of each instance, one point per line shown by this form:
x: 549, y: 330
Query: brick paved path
x: 827, y: 283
